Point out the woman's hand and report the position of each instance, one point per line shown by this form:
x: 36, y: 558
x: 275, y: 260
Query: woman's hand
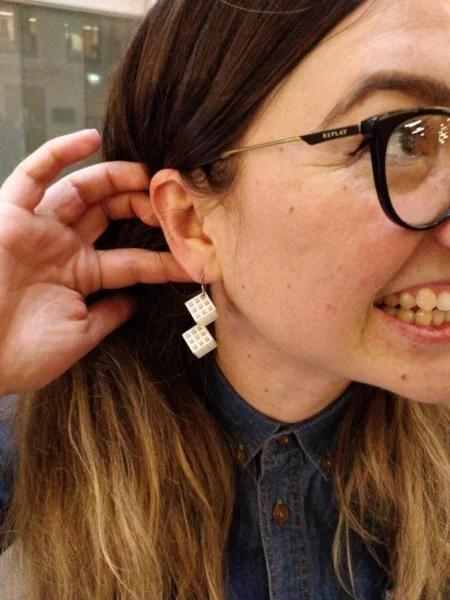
x: 48, y: 264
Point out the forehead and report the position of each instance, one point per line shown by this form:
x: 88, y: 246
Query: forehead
x: 393, y: 31
x: 381, y: 35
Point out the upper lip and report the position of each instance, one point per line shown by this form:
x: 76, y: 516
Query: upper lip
x: 437, y: 287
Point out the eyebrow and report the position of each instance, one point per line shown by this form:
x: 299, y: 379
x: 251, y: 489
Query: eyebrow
x: 432, y: 91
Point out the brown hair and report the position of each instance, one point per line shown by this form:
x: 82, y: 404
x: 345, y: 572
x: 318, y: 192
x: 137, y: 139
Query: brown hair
x: 124, y: 485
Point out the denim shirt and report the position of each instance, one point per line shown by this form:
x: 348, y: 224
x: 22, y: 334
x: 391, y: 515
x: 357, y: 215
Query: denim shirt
x: 285, y: 514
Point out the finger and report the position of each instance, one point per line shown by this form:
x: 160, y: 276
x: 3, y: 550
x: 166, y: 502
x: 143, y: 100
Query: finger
x: 123, y: 206
x: 69, y: 198
x: 26, y: 185
x: 107, y: 315
x: 123, y: 267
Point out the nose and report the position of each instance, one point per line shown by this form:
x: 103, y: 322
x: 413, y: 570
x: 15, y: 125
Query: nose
x: 441, y: 233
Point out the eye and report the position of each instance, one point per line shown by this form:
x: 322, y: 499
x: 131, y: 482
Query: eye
x: 407, y: 139
x: 417, y: 139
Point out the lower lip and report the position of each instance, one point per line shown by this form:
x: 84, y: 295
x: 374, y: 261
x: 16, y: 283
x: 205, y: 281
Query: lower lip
x: 429, y: 335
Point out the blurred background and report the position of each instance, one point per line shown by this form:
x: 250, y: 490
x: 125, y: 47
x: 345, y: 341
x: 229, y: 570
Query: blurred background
x: 55, y: 63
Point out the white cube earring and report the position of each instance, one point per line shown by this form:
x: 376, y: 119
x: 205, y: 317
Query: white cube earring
x: 203, y: 311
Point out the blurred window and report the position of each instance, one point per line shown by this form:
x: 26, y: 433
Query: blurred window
x: 7, y: 31
x: 55, y: 67
x: 91, y: 41
x: 28, y: 32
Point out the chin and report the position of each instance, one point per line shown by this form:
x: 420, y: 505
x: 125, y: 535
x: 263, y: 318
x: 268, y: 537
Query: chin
x: 424, y: 394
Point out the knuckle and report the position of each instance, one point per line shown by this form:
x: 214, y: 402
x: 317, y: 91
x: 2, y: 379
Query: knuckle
x: 106, y: 210
x: 26, y: 172
x: 44, y: 162
x: 52, y: 148
x: 75, y: 194
x: 109, y: 175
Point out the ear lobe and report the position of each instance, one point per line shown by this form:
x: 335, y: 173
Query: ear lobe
x: 175, y: 207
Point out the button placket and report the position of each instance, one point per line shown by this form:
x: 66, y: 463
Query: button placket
x: 241, y: 455
x: 281, y: 512
x: 286, y: 440
x: 282, y: 521
x: 328, y: 462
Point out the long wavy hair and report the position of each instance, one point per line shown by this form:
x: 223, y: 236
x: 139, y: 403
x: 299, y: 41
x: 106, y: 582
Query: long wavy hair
x: 124, y: 481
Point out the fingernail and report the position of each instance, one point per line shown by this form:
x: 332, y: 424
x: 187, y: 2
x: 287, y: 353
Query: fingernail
x: 92, y: 131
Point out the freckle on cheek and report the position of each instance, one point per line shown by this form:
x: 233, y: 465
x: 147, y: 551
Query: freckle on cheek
x: 289, y: 286
x: 266, y: 390
x: 331, y: 308
x: 291, y: 210
x: 243, y: 287
x: 249, y: 355
x: 365, y: 281
x: 404, y: 377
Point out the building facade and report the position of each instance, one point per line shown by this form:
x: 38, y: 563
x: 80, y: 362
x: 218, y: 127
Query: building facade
x: 55, y: 63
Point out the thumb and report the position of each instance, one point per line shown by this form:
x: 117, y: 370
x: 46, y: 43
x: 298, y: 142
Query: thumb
x: 107, y: 315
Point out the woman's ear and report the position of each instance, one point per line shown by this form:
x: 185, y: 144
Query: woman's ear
x: 176, y: 208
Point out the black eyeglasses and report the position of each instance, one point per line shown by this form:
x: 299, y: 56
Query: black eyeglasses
x: 410, y: 160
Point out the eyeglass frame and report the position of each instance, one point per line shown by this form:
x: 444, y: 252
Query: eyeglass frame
x: 377, y: 131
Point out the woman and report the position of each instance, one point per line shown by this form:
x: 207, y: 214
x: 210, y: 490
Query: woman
x: 306, y: 456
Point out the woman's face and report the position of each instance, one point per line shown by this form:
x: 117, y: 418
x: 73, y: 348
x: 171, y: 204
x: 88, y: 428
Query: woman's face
x: 312, y: 249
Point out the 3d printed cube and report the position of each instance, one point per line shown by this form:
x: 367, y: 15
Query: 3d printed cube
x: 202, y: 309
x: 199, y: 340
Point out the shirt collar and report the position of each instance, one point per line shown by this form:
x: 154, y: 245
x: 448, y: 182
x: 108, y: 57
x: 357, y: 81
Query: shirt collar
x: 247, y: 429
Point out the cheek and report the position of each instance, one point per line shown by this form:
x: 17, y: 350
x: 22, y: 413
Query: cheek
x: 295, y: 247
x: 311, y: 245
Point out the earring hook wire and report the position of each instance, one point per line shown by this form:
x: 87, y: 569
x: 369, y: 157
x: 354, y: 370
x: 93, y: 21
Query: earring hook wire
x: 203, y: 283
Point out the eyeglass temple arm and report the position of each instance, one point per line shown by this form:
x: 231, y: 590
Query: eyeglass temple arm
x: 311, y: 139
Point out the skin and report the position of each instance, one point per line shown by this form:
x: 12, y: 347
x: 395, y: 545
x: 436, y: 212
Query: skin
x: 295, y: 282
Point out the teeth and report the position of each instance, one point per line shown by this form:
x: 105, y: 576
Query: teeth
x: 391, y: 300
x: 407, y: 316
x: 423, y: 317
x: 438, y: 317
x: 407, y: 300
x: 432, y: 309
x: 426, y: 299
x: 443, y: 301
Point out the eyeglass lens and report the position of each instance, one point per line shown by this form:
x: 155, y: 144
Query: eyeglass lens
x: 418, y: 169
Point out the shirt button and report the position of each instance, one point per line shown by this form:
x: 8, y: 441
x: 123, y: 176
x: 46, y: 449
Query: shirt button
x: 328, y: 462
x: 285, y: 440
x: 281, y: 512
x: 241, y: 454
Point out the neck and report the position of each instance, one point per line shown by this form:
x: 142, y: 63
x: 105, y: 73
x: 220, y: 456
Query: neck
x: 277, y: 385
